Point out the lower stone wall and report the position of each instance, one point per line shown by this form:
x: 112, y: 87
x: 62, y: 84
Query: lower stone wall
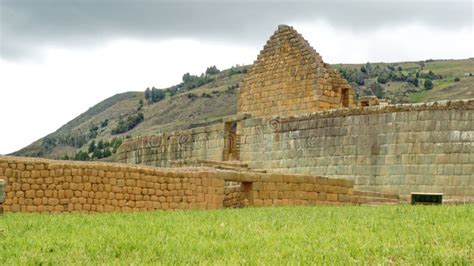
x: 232, y: 195
x: 40, y: 185
x: 205, y: 143
x: 2, y: 194
x: 395, y: 149
x: 285, y: 190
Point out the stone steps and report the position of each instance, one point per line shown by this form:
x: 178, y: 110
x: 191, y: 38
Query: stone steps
x: 375, y: 194
x: 233, y: 164
x: 374, y: 198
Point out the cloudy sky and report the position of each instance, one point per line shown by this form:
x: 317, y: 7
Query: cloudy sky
x: 58, y: 58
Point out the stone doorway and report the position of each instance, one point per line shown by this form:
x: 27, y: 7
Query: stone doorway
x: 237, y: 194
x: 345, y: 97
x: 232, y: 142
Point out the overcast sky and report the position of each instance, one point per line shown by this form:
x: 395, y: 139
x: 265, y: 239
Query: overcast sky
x: 58, y: 58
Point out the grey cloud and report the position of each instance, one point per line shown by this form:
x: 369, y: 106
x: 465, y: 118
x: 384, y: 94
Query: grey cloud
x: 26, y: 25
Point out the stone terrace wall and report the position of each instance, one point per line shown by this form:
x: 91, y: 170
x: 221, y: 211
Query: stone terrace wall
x: 39, y: 185
x: 205, y: 143
x: 392, y: 149
x: 290, y: 78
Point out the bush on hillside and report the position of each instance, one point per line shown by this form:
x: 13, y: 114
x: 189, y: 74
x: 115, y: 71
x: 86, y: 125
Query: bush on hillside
x: 81, y: 156
x: 212, y: 70
x: 428, y: 84
x: 128, y: 124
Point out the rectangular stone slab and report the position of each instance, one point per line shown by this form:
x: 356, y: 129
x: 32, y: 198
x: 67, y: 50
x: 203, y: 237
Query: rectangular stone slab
x: 426, y: 198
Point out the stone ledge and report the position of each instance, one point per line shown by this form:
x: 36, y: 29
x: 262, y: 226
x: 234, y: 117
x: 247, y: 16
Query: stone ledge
x: 467, y: 104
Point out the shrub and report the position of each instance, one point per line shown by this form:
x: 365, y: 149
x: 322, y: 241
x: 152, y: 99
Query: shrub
x: 192, y: 96
x: 382, y: 79
x: 413, y: 81
x: 128, y: 124
x: 115, y: 144
x: 81, y: 156
x: 104, y: 123
x: 92, y: 147
x: 107, y: 153
x: 428, y: 84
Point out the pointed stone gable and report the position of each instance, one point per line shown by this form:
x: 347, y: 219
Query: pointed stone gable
x: 289, y: 78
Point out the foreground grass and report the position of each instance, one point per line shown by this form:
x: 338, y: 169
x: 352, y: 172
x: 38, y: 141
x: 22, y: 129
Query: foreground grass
x: 306, y: 235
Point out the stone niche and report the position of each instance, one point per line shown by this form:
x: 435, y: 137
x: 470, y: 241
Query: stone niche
x: 290, y: 78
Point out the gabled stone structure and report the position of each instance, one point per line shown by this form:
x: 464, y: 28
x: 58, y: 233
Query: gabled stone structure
x: 290, y: 78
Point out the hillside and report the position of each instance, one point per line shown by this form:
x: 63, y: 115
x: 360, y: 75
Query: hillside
x: 205, y: 99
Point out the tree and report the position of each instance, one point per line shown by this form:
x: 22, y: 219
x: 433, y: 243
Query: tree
x: 147, y: 94
x: 91, y: 146
x: 382, y: 78
x: 104, y: 123
x: 413, y: 81
x: 100, y: 145
x: 107, y: 153
x: 428, y: 84
x: 130, y: 123
x: 97, y: 154
x: 368, y: 68
x: 379, y: 92
x: 212, y: 70
x: 81, y: 156
x: 157, y: 95
x: 422, y: 64
x: 359, y: 79
x: 186, y: 78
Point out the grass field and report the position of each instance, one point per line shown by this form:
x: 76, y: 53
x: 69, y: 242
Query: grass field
x: 297, y: 235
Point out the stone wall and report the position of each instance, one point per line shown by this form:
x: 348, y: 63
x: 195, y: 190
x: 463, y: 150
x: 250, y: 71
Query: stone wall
x: 2, y: 194
x: 392, y: 149
x: 40, y: 185
x: 205, y: 143
x: 290, y: 78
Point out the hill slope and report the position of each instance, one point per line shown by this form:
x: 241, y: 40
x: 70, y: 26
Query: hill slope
x: 194, y: 104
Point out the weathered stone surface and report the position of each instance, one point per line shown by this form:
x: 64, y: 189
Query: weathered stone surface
x: 142, y: 188
x: 392, y: 149
x: 290, y: 78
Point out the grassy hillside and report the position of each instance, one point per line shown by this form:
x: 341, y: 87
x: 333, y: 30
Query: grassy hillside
x: 205, y: 99
x: 404, y: 82
x: 338, y: 235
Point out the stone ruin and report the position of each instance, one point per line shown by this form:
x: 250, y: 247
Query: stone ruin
x: 299, y: 138
x: 297, y: 115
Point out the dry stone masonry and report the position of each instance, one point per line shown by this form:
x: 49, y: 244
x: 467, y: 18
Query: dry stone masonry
x: 161, y: 150
x: 298, y: 116
x: 297, y: 121
x: 40, y: 185
x: 290, y: 78
x: 391, y: 149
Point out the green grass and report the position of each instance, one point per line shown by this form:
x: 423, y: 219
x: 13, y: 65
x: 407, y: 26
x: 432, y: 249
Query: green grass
x: 418, y: 96
x: 270, y: 236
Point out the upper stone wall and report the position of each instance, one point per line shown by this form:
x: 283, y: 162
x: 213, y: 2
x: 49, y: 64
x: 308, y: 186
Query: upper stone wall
x: 290, y: 78
x: 205, y: 143
x: 395, y: 149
